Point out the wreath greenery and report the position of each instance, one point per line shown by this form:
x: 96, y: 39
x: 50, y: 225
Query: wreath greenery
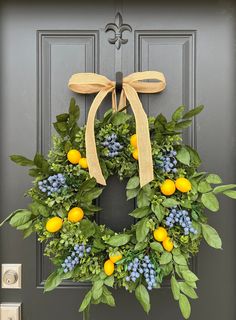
x: 170, y: 218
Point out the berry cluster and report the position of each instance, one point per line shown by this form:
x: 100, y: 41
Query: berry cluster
x: 71, y: 261
x: 112, y: 145
x: 180, y: 217
x: 168, y: 162
x: 143, y: 267
x: 52, y: 184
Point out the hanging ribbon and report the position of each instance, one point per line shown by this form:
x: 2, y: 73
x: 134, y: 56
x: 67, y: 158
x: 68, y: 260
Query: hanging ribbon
x: 87, y: 83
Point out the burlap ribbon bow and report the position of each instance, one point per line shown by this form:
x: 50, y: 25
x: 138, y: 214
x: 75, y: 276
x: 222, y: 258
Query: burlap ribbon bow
x: 87, y: 83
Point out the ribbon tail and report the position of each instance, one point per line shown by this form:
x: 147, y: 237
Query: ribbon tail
x: 143, y: 137
x: 90, y: 143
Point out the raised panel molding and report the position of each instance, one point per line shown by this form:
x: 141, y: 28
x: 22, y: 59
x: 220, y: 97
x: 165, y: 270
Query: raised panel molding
x: 178, y: 65
x: 59, y: 55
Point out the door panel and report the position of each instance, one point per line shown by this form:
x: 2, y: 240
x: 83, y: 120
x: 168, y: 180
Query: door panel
x: 42, y: 44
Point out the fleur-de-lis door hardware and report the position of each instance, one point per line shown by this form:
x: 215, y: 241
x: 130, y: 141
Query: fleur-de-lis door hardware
x: 118, y: 27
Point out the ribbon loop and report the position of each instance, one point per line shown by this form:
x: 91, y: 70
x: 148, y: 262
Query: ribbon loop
x: 87, y: 83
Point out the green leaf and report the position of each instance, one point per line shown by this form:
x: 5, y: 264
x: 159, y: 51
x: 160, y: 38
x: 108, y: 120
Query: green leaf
x: 142, y: 296
x: 109, y: 281
x: 175, y: 288
x: 142, y: 199
x: 20, y: 217
x: 180, y: 259
x: 211, y: 236
x: 183, y: 124
x: 168, y: 203
x: 119, y: 118
x: 97, y: 289
x: 204, y: 186
x: 140, y: 212
x: 165, y: 258
x: 230, y: 193
x: 142, y: 230
x: 224, y: 188
x: 177, y: 115
x: 8, y: 218
x: 28, y: 232
x: 53, y: 281
x: 158, y: 210
x: 74, y: 109
x: 132, y: 193
x: 184, y: 306
x: 183, y: 156
x: 86, y: 301
x: 213, y: 178
x: 107, y: 297
x: 133, y: 183
x: 194, y: 156
x: 189, y: 276
x: 87, y: 228
x: 62, y: 117
x: 25, y: 225
x: 210, y: 201
x: 193, y: 112
x: 22, y: 161
x: 188, y: 290
x: 39, y: 209
x: 119, y: 240
x: 156, y: 246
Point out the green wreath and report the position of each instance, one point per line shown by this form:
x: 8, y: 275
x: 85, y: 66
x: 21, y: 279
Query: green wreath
x: 170, y: 218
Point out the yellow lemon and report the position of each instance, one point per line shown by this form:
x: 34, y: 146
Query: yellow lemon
x: 168, y: 244
x: 75, y: 214
x: 83, y: 163
x: 109, y: 267
x: 160, y: 234
x: 74, y: 156
x: 54, y: 224
x: 168, y: 187
x: 183, y: 185
x: 135, y: 154
x: 116, y: 257
x: 133, y: 141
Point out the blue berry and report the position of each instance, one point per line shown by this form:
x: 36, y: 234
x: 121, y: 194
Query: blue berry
x: 167, y: 162
x: 71, y: 261
x: 53, y: 184
x: 180, y: 217
x: 112, y: 145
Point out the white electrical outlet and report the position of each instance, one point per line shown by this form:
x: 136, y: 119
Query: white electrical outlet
x: 11, y: 276
x: 10, y: 311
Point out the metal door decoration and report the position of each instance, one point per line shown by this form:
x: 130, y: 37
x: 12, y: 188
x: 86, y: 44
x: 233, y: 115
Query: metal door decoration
x: 148, y: 154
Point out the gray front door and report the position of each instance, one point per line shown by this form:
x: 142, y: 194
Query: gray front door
x: 42, y: 44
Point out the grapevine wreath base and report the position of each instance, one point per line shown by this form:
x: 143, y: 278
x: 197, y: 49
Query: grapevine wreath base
x: 170, y: 218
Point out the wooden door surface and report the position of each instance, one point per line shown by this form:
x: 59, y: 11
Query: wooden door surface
x: 42, y: 44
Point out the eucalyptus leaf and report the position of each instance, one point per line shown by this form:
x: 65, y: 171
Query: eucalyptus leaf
x: 53, y: 281
x: 158, y: 210
x: 180, y: 259
x: 142, y: 296
x: 132, y: 193
x: 189, y: 276
x: 204, y: 186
